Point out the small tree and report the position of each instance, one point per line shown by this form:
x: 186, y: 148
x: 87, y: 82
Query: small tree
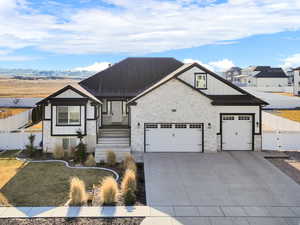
x: 30, y: 149
x: 80, y: 152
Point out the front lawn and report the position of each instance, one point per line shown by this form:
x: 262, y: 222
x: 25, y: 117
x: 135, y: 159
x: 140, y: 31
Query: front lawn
x: 40, y: 184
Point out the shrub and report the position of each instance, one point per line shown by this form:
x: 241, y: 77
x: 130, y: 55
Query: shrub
x: 80, y: 149
x: 58, y: 152
x: 129, y: 181
x: 128, y: 158
x: 90, y: 161
x: 109, y: 191
x: 77, y: 195
x: 111, y: 158
x: 129, y: 197
x: 30, y: 149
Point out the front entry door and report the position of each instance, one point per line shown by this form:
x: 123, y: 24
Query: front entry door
x: 116, y: 111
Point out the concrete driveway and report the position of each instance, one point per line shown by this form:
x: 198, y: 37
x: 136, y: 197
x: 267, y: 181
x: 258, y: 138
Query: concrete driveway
x: 217, y: 179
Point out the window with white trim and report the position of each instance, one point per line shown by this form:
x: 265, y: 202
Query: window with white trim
x: 200, y: 80
x: 68, y: 115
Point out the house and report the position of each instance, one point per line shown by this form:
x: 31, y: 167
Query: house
x: 232, y: 73
x: 265, y: 76
x: 153, y: 105
x: 296, y: 88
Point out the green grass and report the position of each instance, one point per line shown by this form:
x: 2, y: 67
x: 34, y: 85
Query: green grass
x: 41, y: 184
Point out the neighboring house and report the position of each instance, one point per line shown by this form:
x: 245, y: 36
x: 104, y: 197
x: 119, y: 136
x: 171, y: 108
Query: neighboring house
x: 265, y: 76
x: 232, y: 73
x: 290, y: 74
x: 297, y: 81
x: 153, y: 105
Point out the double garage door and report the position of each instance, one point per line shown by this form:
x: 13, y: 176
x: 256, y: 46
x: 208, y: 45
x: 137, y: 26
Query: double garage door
x: 174, y: 137
x: 236, y: 134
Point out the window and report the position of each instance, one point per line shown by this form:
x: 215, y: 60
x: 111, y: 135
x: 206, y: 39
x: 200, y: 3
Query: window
x: 201, y: 80
x: 180, y: 125
x: 228, y: 117
x: 104, y: 106
x: 195, y: 125
x: 244, y: 117
x: 166, y: 125
x: 68, y: 115
x: 124, y: 107
x: 151, y: 125
x: 109, y: 107
x: 68, y: 143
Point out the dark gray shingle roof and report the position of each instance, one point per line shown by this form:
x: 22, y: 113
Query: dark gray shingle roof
x: 272, y: 72
x: 130, y: 77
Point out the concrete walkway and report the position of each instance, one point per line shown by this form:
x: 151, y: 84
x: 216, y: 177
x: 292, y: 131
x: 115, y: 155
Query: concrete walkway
x: 147, y: 211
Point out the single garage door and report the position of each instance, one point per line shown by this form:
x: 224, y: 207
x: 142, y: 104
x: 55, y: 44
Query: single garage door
x: 237, y: 132
x: 173, y: 137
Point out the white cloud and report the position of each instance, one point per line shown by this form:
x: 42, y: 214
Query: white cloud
x: 142, y: 26
x: 291, y: 61
x: 217, y: 66
x: 96, y: 67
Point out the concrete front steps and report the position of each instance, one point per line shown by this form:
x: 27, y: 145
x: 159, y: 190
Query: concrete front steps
x: 113, y: 139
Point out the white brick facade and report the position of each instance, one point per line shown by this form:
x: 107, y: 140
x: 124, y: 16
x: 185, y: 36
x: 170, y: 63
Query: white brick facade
x: 191, y: 107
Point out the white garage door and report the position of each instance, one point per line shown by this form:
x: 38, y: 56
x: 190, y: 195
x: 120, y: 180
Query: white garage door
x: 168, y: 137
x: 237, y: 132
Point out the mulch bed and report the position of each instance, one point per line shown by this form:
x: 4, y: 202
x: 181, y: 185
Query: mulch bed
x: 74, y: 221
x: 284, y: 166
x: 141, y: 192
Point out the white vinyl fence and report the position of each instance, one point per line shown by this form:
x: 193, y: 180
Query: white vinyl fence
x: 282, y: 134
x: 15, y: 122
x: 11, y: 141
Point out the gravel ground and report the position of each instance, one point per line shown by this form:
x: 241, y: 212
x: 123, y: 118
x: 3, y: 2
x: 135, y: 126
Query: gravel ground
x: 291, y: 166
x: 73, y: 221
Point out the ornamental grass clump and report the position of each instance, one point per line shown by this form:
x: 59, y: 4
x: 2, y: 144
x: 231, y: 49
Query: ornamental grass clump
x: 111, y: 158
x: 129, y: 187
x: 129, y: 181
x: 109, y: 191
x: 58, y: 152
x: 90, y: 162
x: 77, y: 194
x: 127, y: 159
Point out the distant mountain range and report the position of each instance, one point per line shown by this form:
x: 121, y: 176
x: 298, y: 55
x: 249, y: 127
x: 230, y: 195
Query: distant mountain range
x: 31, y: 73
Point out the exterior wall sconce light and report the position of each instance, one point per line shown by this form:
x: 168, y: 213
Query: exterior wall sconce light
x: 138, y: 124
x: 209, y: 125
x: 257, y: 124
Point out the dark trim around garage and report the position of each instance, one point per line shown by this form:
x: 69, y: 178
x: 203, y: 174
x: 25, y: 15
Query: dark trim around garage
x: 202, y: 125
x: 236, y: 114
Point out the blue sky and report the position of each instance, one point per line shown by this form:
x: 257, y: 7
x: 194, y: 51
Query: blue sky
x: 67, y: 34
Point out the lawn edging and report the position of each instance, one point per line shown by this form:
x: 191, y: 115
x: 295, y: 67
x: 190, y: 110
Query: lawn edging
x: 117, y: 176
